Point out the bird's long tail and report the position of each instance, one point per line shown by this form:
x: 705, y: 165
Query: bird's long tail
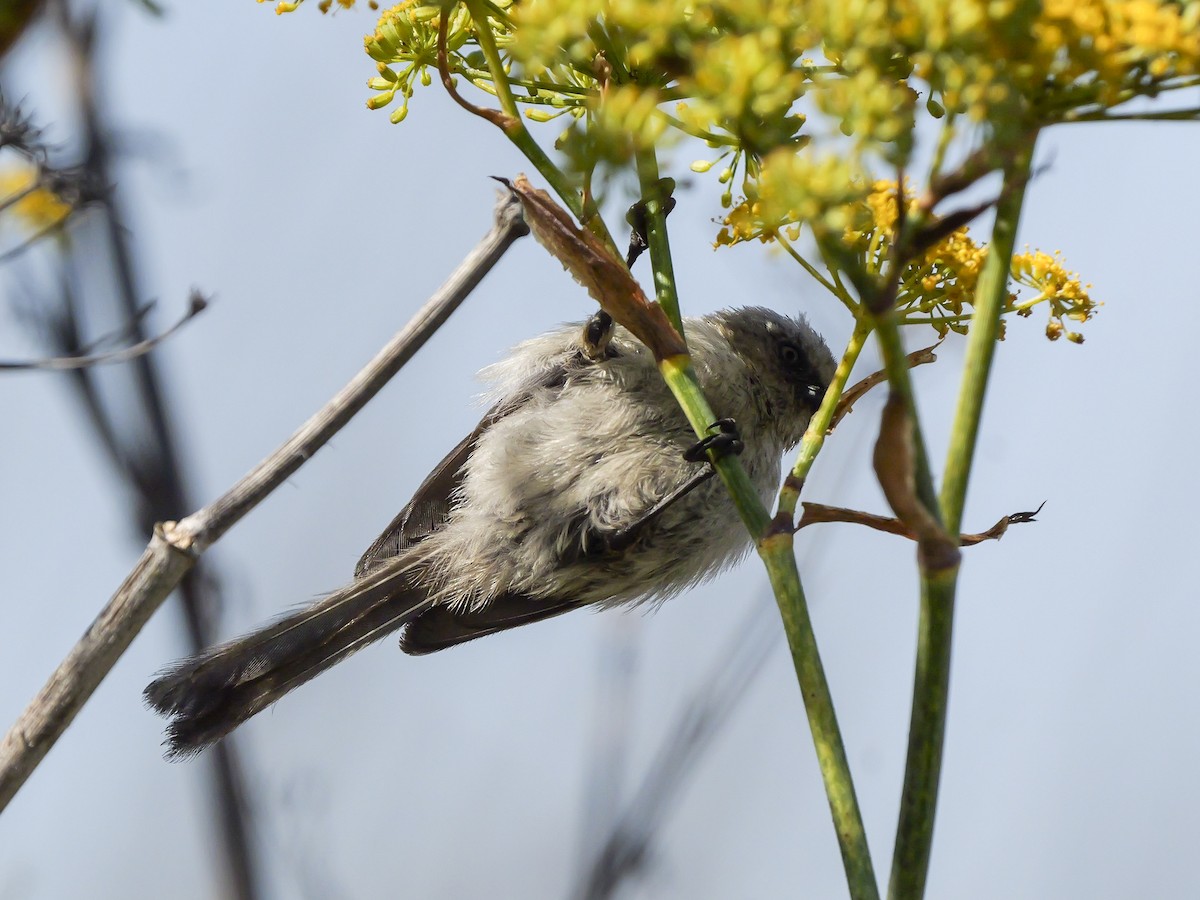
x: 210, y: 694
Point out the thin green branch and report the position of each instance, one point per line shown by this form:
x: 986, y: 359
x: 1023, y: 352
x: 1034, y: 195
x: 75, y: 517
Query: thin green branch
x: 657, y: 239
x: 780, y: 559
x: 927, y: 729
x: 926, y: 733
x: 775, y: 546
x: 842, y: 292
x: 482, y: 79
x: 516, y: 131
x: 487, y: 43
x: 845, y: 298
x: 685, y: 385
x: 935, y: 320
x: 709, y: 137
x: 1172, y: 115
x: 943, y: 145
x: 818, y: 426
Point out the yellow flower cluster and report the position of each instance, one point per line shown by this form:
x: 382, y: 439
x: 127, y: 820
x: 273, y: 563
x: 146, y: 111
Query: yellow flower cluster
x: 736, y: 69
x: 732, y: 70
x: 1045, y: 61
x: 935, y: 288
x: 750, y: 78
x: 1055, y: 286
x: 793, y: 189
x: 1109, y: 50
x: 37, y: 208
x: 287, y: 6
x: 938, y: 286
x: 406, y: 37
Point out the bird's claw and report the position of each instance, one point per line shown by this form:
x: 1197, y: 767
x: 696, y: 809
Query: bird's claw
x: 726, y: 441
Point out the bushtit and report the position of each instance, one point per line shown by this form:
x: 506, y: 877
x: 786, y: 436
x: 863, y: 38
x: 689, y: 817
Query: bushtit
x: 583, y: 485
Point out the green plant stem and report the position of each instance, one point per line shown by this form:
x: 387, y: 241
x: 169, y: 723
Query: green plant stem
x: 681, y: 378
x: 818, y: 426
x: 774, y: 545
x: 517, y: 132
x: 775, y: 549
x: 1170, y: 115
x: 910, y: 859
x: 931, y: 682
x: 657, y: 239
x: 990, y: 297
x: 847, y: 301
x: 926, y: 734
x: 779, y: 556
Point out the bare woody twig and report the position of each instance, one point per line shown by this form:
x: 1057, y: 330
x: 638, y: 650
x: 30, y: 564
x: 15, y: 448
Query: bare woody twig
x: 855, y: 393
x: 176, y: 546
x: 196, y: 305
x: 105, y: 257
x: 817, y: 513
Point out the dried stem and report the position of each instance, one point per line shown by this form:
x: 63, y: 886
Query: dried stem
x: 196, y: 305
x: 175, y: 547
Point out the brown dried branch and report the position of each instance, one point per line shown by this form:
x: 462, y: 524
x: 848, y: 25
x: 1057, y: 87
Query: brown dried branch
x: 604, y: 275
x: 855, y: 393
x: 197, y: 303
x: 176, y: 546
x: 818, y: 513
x: 896, y: 471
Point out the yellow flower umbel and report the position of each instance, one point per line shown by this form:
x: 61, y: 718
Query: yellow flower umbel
x: 1056, y: 287
x: 406, y: 38
x: 36, y: 208
x: 937, y: 286
x: 802, y: 101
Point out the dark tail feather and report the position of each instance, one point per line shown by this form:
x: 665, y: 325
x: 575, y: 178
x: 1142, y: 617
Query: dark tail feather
x: 430, y: 630
x: 209, y: 695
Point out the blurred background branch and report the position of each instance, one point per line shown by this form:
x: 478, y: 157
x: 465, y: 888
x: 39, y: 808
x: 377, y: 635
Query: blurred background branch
x: 132, y: 414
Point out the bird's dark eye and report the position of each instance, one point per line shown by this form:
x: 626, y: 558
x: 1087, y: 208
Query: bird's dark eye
x: 790, y: 354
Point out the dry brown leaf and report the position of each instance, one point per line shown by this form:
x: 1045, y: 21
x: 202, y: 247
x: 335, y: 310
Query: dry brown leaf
x: 818, y: 513
x: 603, y: 274
x: 894, y: 467
x: 853, y: 394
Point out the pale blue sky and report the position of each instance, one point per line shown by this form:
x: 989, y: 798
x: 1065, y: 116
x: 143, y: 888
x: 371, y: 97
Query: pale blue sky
x: 1073, y: 734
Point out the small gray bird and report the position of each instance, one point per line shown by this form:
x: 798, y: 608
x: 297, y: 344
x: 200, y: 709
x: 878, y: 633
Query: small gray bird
x: 583, y: 485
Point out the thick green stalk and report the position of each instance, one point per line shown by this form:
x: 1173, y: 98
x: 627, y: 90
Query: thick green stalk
x: 926, y: 734
x: 927, y: 729
x: 775, y: 548
x: 981, y: 340
x: 780, y: 559
x: 927, y: 725
x: 681, y: 378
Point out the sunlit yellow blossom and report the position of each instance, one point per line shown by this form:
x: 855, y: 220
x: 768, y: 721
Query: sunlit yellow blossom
x: 287, y: 6
x: 406, y: 38
x: 1057, y: 287
x: 936, y: 288
x: 822, y: 192
x: 37, y: 209
x: 800, y: 102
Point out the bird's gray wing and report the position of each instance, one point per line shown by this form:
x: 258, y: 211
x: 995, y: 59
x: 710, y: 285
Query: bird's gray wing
x: 430, y: 506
